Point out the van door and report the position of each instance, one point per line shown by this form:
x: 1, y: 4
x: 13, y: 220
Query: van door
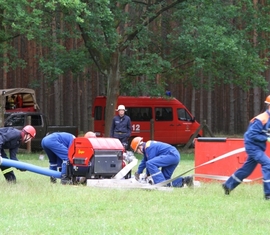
x: 140, y: 121
x: 99, y: 121
x: 165, y: 129
x: 184, y: 126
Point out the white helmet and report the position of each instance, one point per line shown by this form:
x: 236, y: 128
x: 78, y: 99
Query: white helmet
x: 121, y: 107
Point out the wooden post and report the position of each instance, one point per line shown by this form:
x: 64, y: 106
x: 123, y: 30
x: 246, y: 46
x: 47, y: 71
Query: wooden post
x: 206, y: 128
x: 28, y: 144
x: 2, y: 109
x: 202, y: 126
x: 152, y: 129
x: 92, y: 124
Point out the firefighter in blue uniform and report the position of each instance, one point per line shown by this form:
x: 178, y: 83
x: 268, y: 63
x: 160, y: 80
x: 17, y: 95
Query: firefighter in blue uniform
x: 160, y: 160
x: 255, y: 140
x: 56, y: 146
x: 121, y: 126
x: 11, y: 138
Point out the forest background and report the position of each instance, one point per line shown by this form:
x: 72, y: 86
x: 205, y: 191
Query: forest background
x: 212, y: 55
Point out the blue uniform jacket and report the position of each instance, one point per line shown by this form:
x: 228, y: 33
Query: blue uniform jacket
x: 151, y: 149
x: 63, y: 138
x: 255, y: 137
x: 10, y: 138
x: 121, y: 127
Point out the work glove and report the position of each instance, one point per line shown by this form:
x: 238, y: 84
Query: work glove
x: 137, y: 176
x: 129, y: 156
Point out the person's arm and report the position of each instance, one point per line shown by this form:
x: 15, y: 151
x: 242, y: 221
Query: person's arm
x: 129, y: 128
x: 142, y: 166
x: 255, y: 132
x: 13, y: 154
x: 1, y: 142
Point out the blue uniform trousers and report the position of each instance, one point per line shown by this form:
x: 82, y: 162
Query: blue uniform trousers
x: 56, y: 152
x: 254, y: 158
x: 167, y: 163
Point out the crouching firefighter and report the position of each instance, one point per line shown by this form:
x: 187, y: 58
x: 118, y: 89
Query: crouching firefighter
x: 56, y: 146
x: 11, y: 138
x: 160, y: 160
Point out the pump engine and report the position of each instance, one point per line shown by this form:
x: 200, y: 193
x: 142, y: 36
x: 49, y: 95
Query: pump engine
x: 95, y: 158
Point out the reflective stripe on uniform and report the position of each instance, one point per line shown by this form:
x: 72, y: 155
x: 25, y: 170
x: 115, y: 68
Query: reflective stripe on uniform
x: 7, y: 170
x: 266, y: 181
x: 236, y: 179
x: 159, y: 172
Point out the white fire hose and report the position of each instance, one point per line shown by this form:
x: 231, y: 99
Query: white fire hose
x: 231, y: 153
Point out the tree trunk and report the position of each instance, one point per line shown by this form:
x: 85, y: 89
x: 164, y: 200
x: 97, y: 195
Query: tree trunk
x: 209, y: 103
x: 243, y: 110
x: 113, y: 79
x: 232, y: 111
x: 79, y: 95
x: 257, y: 101
x: 202, y: 118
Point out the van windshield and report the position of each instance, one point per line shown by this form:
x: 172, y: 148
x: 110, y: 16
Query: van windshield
x: 183, y: 115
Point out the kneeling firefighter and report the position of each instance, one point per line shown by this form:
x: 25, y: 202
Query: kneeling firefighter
x: 160, y: 160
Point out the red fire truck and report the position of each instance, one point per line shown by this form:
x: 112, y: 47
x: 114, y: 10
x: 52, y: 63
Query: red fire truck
x: 170, y: 120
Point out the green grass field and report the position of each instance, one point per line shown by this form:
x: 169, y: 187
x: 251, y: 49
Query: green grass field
x: 34, y: 206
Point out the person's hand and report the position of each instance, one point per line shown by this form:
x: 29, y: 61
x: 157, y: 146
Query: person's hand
x: 137, y: 176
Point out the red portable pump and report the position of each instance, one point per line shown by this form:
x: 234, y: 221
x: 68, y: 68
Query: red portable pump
x: 95, y: 158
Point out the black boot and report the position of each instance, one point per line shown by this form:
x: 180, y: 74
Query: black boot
x: 65, y: 180
x: 188, y: 181
x: 10, y: 177
x: 226, y: 189
x: 53, y: 180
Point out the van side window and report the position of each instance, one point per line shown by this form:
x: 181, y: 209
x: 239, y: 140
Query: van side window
x: 98, y: 113
x: 163, y: 114
x: 36, y: 120
x: 16, y: 120
x: 183, y: 115
x: 139, y: 114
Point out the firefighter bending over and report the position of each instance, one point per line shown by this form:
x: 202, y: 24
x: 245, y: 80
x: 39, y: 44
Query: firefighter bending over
x: 11, y: 138
x: 160, y: 160
x: 56, y: 146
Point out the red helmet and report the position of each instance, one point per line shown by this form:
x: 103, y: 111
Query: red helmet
x: 135, y: 143
x: 90, y: 134
x: 30, y: 130
x: 267, y: 100
x: 29, y: 133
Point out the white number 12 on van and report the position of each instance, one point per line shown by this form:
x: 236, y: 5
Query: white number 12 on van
x: 136, y: 127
